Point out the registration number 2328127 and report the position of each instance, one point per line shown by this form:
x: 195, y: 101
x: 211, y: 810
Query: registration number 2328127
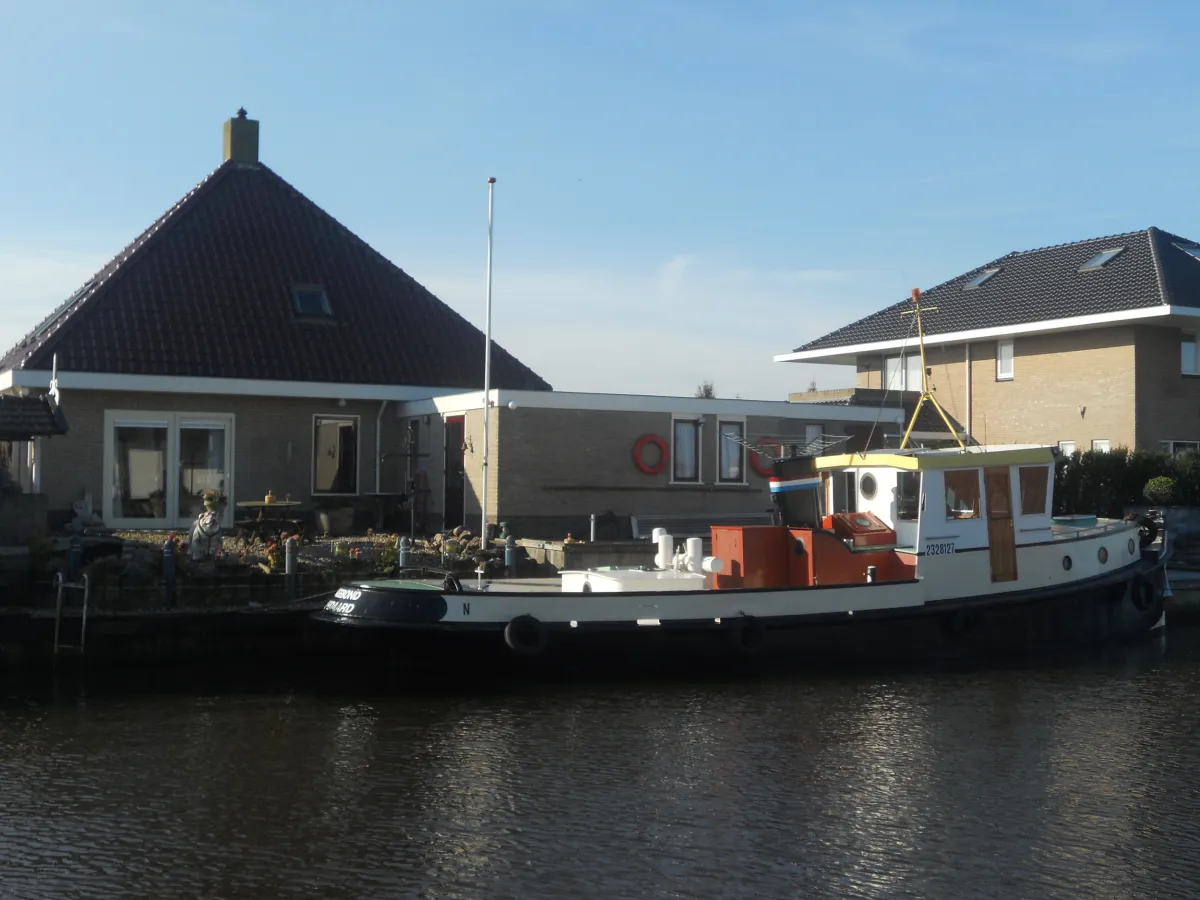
x: 940, y: 548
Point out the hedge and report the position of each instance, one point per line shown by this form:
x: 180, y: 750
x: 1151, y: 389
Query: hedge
x: 1108, y: 483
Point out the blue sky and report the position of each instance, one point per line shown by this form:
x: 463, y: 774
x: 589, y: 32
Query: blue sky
x: 685, y: 188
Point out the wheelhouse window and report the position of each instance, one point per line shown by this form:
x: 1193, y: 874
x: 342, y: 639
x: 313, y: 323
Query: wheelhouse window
x: 902, y: 373
x: 962, y: 494
x: 1004, y: 360
x: 685, y: 451
x: 731, y: 452
x: 1188, y: 363
x: 908, y: 496
x: 1034, y: 482
x: 335, y: 454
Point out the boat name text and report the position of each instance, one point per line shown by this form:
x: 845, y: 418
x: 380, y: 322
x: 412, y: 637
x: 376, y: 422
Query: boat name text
x: 347, y: 594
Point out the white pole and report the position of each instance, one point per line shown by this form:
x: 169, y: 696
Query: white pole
x: 487, y: 372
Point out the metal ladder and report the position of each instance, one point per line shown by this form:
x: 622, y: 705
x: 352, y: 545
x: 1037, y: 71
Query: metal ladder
x: 61, y: 586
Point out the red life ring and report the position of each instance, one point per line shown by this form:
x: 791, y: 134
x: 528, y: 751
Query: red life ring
x: 761, y: 463
x: 663, y: 454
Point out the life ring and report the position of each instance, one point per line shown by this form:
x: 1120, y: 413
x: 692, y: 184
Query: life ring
x: 525, y: 635
x: 663, y: 454
x: 1147, y: 528
x: 765, y: 469
x: 747, y: 634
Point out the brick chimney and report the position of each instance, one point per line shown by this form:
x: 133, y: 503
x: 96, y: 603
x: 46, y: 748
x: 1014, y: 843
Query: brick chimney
x: 241, y: 138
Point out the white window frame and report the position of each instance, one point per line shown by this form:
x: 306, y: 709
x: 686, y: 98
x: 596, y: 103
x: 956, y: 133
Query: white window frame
x: 698, y: 421
x: 1002, y: 375
x: 721, y: 422
x: 1189, y: 337
x: 312, y: 451
x: 1169, y: 447
x: 904, y: 360
x: 171, y: 421
x: 1062, y: 447
x: 1100, y: 445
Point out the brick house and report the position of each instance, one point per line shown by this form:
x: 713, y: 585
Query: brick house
x: 245, y: 341
x: 1088, y: 345
x: 249, y: 342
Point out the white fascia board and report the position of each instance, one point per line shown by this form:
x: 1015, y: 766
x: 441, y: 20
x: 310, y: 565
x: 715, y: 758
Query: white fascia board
x: 460, y: 403
x: 846, y: 355
x: 6, y: 380
x: 239, y: 387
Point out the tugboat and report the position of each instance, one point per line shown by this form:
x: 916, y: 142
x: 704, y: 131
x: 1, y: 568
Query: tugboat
x: 943, y: 552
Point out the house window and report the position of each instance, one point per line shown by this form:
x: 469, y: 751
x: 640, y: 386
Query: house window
x: 685, y: 451
x: 335, y: 454
x: 310, y: 302
x: 1066, y: 447
x: 140, y: 470
x: 1099, y: 446
x: 731, y: 452
x: 962, y: 494
x: 903, y: 373
x: 1034, y: 482
x: 980, y: 279
x: 1187, y: 355
x: 1004, y: 360
x: 1178, y: 448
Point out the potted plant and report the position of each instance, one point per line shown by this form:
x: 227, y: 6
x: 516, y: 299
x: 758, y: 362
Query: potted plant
x: 213, y: 499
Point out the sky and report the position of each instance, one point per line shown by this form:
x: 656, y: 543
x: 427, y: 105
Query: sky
x: 684, y: 189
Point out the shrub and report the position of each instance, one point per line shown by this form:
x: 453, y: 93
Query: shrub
x: 1160, y: 490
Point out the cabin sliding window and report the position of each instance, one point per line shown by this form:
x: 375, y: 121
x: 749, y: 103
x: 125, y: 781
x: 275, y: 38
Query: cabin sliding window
x: 335, y: 454
x: 1035, y: 481
x: 962, y: 494
x: 1188, y: 363
x: 685, y: 452
x: 908, y: 496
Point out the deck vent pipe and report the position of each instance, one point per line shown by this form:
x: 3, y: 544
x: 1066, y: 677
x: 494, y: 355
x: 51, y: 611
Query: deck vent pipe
x: 666, y: 550
x: 695, y: 554
x: 870, y: 574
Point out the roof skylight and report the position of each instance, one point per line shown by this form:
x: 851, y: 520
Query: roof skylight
x: 1100, y: 259
x: 980, y: 279
x: 1193, y: 252
x: 310, y: 302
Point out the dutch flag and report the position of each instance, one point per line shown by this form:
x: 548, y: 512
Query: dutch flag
x: 800, y: 482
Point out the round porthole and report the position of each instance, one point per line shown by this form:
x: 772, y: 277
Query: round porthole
x: 1067, y: 563
x: 1132, y: 546
x: 867, y: 487
x: 1102, y: 554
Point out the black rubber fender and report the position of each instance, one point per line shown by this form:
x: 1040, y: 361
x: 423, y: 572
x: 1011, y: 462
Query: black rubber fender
x: 1147, y: 528
x: 451, y: 585
x: 1142, y: 592
x: 526, y: 635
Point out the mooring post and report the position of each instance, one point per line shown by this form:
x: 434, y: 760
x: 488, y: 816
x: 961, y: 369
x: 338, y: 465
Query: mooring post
x: 289, y: 566
x: 510, y: 556
x: 169, y: 572
x: 403, y: 552
x: 74, y: 558
x: 593, y: 535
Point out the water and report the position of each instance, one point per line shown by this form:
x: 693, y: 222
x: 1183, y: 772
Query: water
x: 1076, y: 780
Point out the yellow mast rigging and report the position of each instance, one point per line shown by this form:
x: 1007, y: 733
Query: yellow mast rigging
x: 926, y: 393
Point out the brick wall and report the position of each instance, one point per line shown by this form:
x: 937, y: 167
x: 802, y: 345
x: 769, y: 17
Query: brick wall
x: 273, y: 446
x: 1054, y: 375
x: 1168, y: 402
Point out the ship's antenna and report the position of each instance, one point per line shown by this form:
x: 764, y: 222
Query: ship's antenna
x: 926, y: 393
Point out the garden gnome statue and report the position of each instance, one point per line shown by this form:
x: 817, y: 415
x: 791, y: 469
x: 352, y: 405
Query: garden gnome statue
x: 206, y: 537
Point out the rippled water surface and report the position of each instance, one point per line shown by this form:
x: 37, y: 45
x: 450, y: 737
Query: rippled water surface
x: 1076, y: 780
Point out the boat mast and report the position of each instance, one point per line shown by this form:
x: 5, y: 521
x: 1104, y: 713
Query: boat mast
x: 487, y: 376
x: 926, y: 393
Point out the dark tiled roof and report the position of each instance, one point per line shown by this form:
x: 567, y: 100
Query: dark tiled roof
x: 206, y: 291
x: 1039, y: 285
x: 22, y: 418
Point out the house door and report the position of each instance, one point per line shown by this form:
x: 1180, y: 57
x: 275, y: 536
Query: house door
x: 157, y: 466
x: 454, y: 496
x: 204, y: 447
x: 1001, y: 542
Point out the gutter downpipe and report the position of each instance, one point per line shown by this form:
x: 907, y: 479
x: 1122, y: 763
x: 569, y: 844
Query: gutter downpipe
x: 378, y: 442
x: 967, y: 345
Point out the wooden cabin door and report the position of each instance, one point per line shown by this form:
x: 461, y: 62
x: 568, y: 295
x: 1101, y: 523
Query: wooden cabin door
x: 1001, y: 540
